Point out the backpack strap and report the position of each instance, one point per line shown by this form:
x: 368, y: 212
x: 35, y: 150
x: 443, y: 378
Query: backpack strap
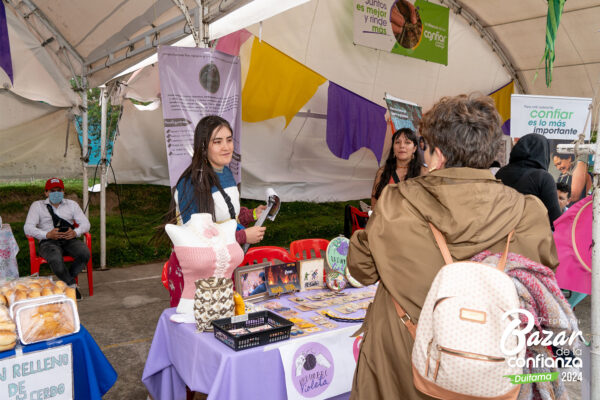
x: 502, y: 262
x: 439, y: 238
x: 405, y: 318
x: 441, y: 242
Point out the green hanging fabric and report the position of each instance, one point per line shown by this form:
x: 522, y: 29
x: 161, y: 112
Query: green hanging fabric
x: 555, y: 9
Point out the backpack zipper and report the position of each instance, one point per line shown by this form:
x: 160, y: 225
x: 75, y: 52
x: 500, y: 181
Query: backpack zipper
x: 472, y: 356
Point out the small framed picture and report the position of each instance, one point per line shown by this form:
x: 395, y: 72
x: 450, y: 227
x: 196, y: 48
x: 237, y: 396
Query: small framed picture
x: 282, y: 278
x: 311, y: 273
x: 251, y: 281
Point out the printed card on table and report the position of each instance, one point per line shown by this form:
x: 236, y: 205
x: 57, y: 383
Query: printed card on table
x: 282, y: 278
x: 311, y: 273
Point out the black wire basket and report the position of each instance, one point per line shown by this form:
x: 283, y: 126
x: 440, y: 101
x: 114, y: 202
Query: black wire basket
x: 246, y: 338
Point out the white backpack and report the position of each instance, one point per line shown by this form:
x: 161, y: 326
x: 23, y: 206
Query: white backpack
x: 457, y: 353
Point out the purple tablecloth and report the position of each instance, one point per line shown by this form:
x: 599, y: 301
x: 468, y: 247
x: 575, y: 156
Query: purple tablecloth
x: 180, y: 356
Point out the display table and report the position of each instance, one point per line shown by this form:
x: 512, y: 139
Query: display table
x: 8, y: 253
x: 93, y: 375
x: 180, y: 356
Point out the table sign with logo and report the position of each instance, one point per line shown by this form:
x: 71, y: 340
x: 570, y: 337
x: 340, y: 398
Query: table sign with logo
x: 320, y: 369
x: 38, y: 375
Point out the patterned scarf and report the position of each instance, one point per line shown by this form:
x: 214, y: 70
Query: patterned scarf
x: 540, y: 295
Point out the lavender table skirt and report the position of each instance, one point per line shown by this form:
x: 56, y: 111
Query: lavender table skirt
x: 180, y: 356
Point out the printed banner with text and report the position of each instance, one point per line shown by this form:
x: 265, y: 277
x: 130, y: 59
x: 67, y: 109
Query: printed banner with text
x: 40, y: 374
x: 320, y: 369
x: 415, y: 28
x: 194, y: 83
x: 561, y: 118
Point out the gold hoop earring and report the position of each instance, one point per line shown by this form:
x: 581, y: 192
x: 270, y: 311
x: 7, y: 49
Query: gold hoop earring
x: 432, y: 169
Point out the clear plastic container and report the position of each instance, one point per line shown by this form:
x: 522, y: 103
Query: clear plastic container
x: 45, y: 318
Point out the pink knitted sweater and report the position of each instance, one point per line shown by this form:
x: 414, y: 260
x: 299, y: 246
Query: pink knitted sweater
x: 204, y: 262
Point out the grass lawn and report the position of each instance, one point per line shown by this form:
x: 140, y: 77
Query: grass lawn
x: 143, y: 207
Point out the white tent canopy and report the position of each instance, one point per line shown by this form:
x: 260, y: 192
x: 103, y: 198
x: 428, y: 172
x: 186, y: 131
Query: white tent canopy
x: 491, y: 42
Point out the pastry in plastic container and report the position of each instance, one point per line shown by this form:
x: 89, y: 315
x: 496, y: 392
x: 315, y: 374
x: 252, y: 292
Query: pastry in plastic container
x: 45, y: 318
x: 31, y: 287
x: 8, y: 336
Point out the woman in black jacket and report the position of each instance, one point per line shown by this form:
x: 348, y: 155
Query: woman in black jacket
x: 527, y: 172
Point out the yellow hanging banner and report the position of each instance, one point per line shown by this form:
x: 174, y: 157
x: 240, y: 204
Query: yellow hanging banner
x: 502, y: 99
x: 276, y: 85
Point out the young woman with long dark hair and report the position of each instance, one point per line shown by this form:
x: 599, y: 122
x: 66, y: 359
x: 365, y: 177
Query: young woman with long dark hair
x: 208, y: 186
x: 404, y: 161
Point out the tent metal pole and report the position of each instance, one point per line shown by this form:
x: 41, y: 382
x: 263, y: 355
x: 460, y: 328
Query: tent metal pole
x: 104, y: 100
x: 595, y: 298
x: 84, y: 147
x: 460, y: 9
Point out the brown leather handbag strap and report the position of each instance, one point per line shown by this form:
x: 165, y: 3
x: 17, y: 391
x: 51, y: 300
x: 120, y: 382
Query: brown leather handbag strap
x: 502, y: 262
x: 405, y: 318
x: 441, y: 242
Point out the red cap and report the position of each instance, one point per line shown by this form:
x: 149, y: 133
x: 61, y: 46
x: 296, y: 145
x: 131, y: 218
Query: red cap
x: 54, y: 183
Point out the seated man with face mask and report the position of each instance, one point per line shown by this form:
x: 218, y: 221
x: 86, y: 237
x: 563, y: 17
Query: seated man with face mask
x: 51, y: 221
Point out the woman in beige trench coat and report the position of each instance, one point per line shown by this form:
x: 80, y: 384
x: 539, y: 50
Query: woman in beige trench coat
x: 474, y: 212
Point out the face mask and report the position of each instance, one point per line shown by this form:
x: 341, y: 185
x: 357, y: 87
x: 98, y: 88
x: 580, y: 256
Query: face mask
x: 56, y: 197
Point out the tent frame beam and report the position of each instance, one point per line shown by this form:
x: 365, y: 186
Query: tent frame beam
x: 151, y: 38
x: 497, y: 48
x: 33, y: 9
x: 189, y: 21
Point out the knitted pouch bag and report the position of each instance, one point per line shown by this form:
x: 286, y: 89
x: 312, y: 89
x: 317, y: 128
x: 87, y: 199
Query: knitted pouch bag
x: 213, y: 300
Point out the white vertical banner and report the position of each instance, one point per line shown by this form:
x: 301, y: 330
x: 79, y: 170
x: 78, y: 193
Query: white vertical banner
x: 555, y: 117
x: 320, y: 366
x: 194, y: 83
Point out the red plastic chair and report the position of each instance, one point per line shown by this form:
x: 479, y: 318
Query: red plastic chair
x: 270, y: 253
x: 355, y: 213
x: 297, y: 248
x: 35, y: 260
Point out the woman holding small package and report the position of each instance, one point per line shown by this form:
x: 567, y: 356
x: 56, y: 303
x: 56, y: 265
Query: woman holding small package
x: 464, y: 201
x: 208, y: 186
x: 403, y: 162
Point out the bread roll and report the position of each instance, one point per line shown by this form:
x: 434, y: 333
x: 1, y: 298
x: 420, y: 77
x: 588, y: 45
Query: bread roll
x: 47, y: 291
x: 20, y: 286
x: 35, y: 286
x: 48, y: 308
x: 70, y: 293
x: 7, y: 325
x: 8, y: 346
x: 58, y: 290
x: 45, y: 282
x: 61, y: 284
x: 9, y: 295
x: 3, y: 300
x: 20, y: 295
x: 34, y: 293
x: 7, y: 337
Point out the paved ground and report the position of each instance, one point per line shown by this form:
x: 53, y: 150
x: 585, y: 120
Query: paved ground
x: 122, y: 316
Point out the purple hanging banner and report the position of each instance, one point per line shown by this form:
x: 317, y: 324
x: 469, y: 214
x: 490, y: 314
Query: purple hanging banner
x: 5, y: 60
x: 353, y: 122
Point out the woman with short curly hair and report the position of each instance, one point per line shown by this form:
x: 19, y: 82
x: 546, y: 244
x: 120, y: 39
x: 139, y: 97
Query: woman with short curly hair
x: 472, y: 210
